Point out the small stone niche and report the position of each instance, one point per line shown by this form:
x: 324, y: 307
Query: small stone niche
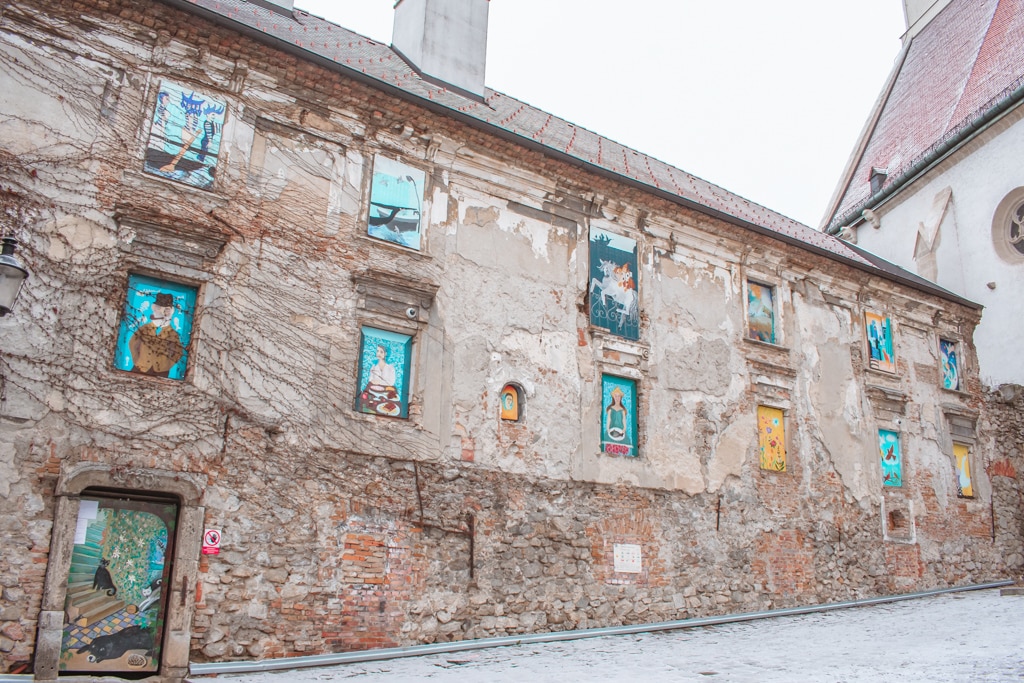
x: 898, y: 523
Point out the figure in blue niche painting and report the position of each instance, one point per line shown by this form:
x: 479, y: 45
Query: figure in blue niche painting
x: 616, y: 417
x: 156, y: 328
x: 156, y: 346
x: 185, y: 136
x: 618, y: 425
x: 382, y: 373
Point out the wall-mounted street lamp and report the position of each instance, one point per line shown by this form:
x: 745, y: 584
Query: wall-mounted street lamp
x: 12, y: 276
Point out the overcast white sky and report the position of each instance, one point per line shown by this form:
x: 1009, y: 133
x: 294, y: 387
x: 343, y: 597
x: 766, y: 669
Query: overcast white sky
x: 763, y: 98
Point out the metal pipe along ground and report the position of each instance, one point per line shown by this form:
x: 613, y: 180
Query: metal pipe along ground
x: 286, y: 663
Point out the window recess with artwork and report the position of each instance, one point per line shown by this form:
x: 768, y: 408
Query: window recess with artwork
x: 891, y: 453
x: 949, y: 364
x: 762, y: 313
x: 185, y: 135
x: 396, y: 211
x: 385, y: 361
x: 393, y: 310
x: 619, y: 406
x: 512, y: 403
x: 878, y: 333
x: 156, y: 327
x: 117, y: 585
x: 614, y: 291
x: 962, y: 460
x: 771, y: 438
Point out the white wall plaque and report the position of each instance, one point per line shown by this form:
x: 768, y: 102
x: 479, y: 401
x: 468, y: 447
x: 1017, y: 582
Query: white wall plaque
x: 627, y: 558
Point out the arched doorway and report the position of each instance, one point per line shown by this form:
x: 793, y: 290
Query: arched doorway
x: 120, y: 583
x: 115, y: 606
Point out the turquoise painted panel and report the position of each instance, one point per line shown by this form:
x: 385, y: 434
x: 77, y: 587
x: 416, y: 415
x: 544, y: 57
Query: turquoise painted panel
x: 892, y: 458
x: 185, y: 136
x: 156, y: 327
x: 384, y: 362
x: 396, y: 203
x: 618, y: 416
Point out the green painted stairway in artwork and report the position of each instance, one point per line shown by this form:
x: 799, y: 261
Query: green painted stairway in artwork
x: 84, y: 605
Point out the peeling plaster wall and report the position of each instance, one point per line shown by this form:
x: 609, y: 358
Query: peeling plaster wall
x: 346, y: 531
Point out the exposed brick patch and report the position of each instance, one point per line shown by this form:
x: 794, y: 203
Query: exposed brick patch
x: 1003, y: 468
x: 904, y: 563
x: 630, y: 527
x: 786, y: 565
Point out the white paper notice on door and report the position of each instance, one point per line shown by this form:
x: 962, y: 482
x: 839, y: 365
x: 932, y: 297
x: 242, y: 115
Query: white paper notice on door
x: 87, y: 511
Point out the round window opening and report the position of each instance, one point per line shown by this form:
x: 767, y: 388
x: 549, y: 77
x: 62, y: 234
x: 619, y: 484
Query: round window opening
x: 1017, y: 228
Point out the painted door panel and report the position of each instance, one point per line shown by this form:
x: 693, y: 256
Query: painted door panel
x: 114, y: 609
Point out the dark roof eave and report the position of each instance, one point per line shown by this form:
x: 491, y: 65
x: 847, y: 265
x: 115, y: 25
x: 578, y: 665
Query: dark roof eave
x: 439, y: 108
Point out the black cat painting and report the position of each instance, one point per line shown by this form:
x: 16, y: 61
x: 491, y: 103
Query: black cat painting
x: 115, y: 645
x: 102, y: 580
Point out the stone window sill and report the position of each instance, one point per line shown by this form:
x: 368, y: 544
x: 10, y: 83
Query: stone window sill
x: 757, y: 343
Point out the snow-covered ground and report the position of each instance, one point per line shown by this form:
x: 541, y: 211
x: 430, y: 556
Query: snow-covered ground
x: 953, y: 638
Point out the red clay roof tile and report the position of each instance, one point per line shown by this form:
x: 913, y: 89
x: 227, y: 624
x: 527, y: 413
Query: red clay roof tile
x: 962, y: 64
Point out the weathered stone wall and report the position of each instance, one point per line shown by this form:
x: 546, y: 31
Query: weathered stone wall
x: 345, y: 530
x: 541, y: 558
x: 1004, y: 409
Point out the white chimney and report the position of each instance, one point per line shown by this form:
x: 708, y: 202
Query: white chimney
x: 285, y: 7
x: 444, y: 39
x: 919, y: 13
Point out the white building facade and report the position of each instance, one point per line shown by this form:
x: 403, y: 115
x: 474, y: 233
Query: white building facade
x: 936, y: 184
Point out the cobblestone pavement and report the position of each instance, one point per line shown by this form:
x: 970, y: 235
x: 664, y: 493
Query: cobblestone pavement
x: 954, y: 638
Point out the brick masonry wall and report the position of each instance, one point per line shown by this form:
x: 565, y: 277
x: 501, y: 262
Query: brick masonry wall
x: 1005, y: 412
x: 541, y: 560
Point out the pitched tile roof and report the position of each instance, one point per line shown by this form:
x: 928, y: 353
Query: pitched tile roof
x: 320, y: 40
x: 965, y: 62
